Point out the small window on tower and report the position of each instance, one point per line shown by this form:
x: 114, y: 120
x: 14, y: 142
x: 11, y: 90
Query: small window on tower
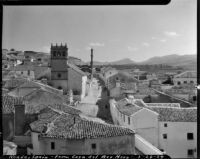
x: 59, y: 75
x: 63, y: 53
x: 54, y: 53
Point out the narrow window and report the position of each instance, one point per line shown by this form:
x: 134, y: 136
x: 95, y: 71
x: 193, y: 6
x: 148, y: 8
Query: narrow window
x: 164, y: 136
x: 59, y: 75
x: 124, y: 118
x: 190, y: 136
x: 28, y: 72
x: 63, y: 53
x: 22, y: 72
x: 165, y: 124
x: 93, y: 146
x: 52, y: 145
x: 106, y: 106
x: 190, y: 152
x: 194, y: 98
x: 129, y: 120
x: 54, y: 53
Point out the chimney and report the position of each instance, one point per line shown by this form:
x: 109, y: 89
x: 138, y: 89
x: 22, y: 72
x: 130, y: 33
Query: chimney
x: 91, y: 63
x: 19, y: 119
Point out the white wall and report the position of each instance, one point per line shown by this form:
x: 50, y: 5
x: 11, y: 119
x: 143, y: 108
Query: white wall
x: 176, y: 145
x: 175, y: 80
x: 37, y: 149
x: 84, y: 83
x: 146, y: 125
x: 25, y: 74
x: 115, y: 92
x: 144, y: 122
x: 111, y: 145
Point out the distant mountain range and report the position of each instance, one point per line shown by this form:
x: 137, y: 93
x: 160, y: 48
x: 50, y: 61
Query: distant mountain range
x: 124, y: 61
x: 172, y: 60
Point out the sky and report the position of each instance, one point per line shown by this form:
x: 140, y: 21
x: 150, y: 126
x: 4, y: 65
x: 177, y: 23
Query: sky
x: 138, y: 32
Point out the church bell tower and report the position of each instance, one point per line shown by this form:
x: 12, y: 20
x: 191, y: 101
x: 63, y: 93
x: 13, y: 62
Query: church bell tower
x: 59, y: 67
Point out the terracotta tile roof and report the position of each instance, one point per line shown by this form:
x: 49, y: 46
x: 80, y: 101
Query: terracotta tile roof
x: 40, y: 71
x: 47, y: 115
x: 13, y: 83
x: 65, y: 108
x: 54, y: 125
x: 140, y: 103
x: 187, y: 74
x: 77, y: 69
x: 37, y: 84
x: 127, y: 108
x: 176, y: 114
x: 8, y: 103
x: 23, y: 68
x: 175, y: 105
x: 19, y: 93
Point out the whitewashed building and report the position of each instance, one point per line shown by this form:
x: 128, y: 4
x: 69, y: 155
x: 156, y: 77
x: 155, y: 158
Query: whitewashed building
x: 166, y: 126
x: 187, y: 77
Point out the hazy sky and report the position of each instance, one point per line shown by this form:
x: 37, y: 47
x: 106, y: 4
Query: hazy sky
x: 115, y: 32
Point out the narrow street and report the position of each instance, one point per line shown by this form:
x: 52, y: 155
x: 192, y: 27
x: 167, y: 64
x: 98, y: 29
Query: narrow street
x: 96, y: 103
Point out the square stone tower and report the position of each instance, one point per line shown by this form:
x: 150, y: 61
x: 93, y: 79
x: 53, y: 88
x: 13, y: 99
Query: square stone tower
x: 59, y: 67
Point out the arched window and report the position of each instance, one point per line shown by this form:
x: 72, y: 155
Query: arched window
x: 59, y: 53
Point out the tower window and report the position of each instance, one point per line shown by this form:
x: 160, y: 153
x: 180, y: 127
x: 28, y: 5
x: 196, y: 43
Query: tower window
x: 59, y: 75
x: 165, y: 124
x: 63, y: 53
x: 28, y: 72
x: 54, y: 53
x: 52, y: 145
x: 59, y: 54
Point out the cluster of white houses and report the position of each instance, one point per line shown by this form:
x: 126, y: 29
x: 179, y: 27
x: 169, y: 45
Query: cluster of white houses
x: 165, y: 125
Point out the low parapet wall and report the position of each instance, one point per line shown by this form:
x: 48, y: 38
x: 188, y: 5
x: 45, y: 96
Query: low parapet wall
x: 145, y: 147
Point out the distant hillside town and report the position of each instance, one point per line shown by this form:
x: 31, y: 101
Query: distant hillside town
x: 56, y: 104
